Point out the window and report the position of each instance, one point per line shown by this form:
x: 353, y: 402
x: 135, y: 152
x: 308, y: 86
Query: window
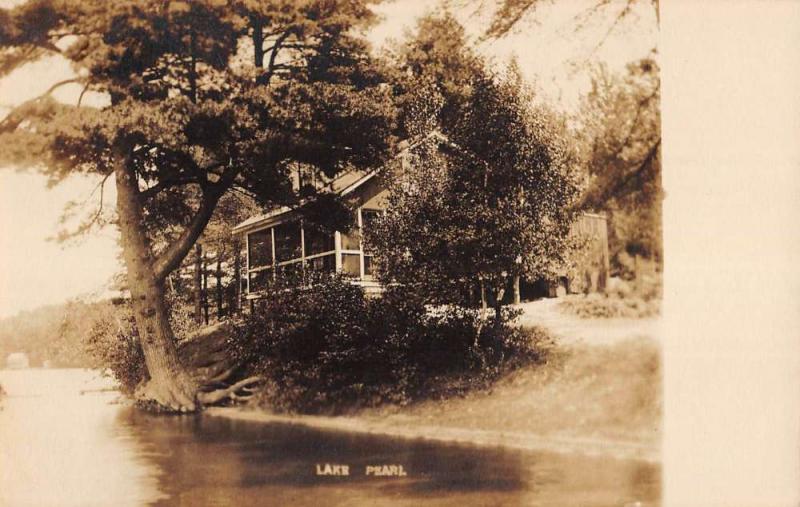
x: 351, y: 265
x: 291, y: 273
x: 351, y: 240
x: 260, y: 280
x: 369, y: 269
x: 259, y: 248
x: 317, y: 241
x: 323, y: 263
x: 287, y: 241
x: 368, y: 217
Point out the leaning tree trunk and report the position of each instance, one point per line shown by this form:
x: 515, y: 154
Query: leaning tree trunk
x: 169, y: 384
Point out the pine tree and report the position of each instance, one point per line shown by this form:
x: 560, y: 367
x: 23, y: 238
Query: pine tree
x: 204, y: 96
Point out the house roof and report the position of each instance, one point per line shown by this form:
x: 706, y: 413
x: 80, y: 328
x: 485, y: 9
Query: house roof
x: 343, y: 184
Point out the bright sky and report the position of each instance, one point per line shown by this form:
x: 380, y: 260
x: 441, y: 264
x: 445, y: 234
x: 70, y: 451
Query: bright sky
x: 35, y: 271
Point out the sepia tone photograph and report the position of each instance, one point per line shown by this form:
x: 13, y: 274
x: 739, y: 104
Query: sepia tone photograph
x: 331, y: 252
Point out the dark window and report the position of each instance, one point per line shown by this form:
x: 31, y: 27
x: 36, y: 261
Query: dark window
x: 324, y: 264
x: 260, y: 280
x: 369, y: 269
x: 291, y: 274
x: 317, y: 241
x: 287, y: 241
x: 351, y: 239
x: 368, y: 217
x: 260, y: 248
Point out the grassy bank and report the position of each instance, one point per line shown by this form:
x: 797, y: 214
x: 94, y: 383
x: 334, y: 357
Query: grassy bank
x: 608, y: 392
x: 602, y: 399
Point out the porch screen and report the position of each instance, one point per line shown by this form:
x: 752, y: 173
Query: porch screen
x: 317, y: 241
x: 260, y: 248
x: 287, y: 241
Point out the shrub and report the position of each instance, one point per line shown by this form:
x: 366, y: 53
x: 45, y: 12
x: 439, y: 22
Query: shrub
x: 113, y: 347
x: 609, y: 306
x: 112, y: 343
x: 330, y: 348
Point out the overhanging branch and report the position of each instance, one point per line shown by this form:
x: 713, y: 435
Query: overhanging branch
x: 172, y: 256
x: 611, y: 190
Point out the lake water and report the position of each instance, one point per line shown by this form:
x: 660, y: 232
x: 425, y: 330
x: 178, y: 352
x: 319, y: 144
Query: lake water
x: 60, y: 447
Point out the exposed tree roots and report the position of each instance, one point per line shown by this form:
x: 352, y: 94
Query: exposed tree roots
x: 237, y: 392
x: 213, y: 377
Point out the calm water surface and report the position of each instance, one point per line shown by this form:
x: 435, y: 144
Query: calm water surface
x: 60, y: 447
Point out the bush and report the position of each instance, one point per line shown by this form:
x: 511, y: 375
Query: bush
x: 113, y: 347
x: 112, y: 343
x: 610, y: 306
x: 330, y: 348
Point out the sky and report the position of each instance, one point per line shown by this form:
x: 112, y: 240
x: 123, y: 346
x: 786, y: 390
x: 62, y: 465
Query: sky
x: 36, y: 271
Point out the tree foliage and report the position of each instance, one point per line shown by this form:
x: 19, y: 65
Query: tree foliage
x: 497, y: 203
x: 621, y: 140
x: 375, y: 351
x: 204, y: 96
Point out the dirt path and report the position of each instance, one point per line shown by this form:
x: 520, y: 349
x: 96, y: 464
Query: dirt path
x: 572, y: 330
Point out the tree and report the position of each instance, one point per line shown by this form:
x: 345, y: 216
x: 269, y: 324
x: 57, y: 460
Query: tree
x: 191, y: 117
x: 621, y: 125
x: 510, y: 12
x: 621, y: 140
x: 496, y: 205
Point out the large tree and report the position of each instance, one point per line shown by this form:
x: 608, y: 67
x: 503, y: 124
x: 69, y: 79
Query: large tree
x: 204, y: 96
x: 497, y: 203
x: 620, y: 137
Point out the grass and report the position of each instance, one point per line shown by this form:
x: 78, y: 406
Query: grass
x: 609, y: 392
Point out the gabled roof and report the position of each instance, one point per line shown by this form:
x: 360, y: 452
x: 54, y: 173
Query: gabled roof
x: 343, y: 184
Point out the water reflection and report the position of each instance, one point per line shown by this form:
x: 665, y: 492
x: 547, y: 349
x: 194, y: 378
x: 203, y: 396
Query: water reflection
x: 216, y: 461
x: 59, y: 448
x: 108, y: 451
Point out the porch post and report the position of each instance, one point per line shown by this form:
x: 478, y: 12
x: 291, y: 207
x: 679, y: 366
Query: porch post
x: 338, y: 246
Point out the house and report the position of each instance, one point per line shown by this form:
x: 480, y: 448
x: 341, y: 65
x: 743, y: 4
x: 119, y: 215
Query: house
x: 281, y: 241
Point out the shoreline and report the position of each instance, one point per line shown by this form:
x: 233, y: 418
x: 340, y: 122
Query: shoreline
x: 623, y: 450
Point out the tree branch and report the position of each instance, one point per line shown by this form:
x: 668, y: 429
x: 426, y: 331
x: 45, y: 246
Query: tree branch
x: 163, y: 185
x: 83, y: 92
x: 172, y: 256
x: 60, y: 84
x: 13, y: 119
x: 603, y: 194
x: 267, y: 76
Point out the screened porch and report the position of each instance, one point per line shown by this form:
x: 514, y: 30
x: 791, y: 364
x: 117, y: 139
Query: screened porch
x: 294, y: 247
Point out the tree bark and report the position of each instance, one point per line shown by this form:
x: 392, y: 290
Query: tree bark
x: 499, y: 294
x: 205, y: 287
x: 258, y: 44
x: 198, y: 284
x: 169, y: 384
x: 237, y: 275
x: 218, y: 288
